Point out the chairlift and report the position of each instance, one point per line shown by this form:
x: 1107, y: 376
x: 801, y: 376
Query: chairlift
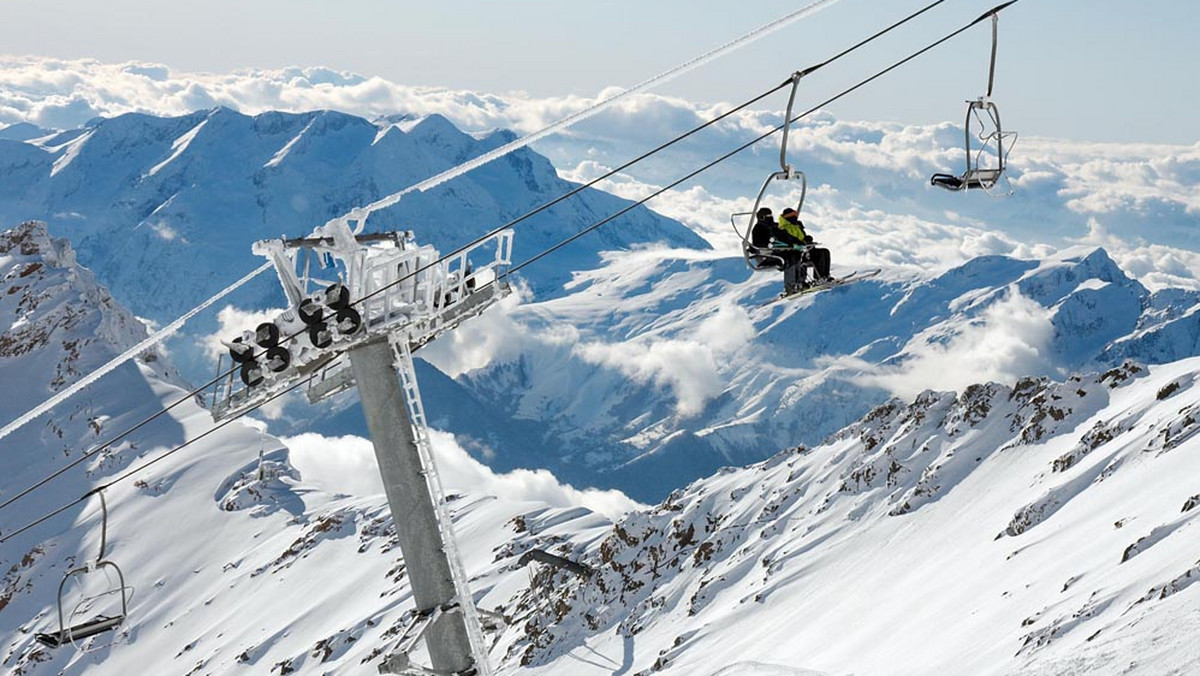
x: 80, y: 625
x: 987, y: 144
x: 759, y: 258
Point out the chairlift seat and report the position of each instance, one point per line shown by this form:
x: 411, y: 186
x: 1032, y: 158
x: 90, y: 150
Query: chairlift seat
x: 79, y: 632
x: 985, y: 137
x: 99, y: 624
x: 763, y: 259
x: 978, y: 179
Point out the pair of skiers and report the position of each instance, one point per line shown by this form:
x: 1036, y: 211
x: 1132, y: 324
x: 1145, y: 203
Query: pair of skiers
x: 788, y: 241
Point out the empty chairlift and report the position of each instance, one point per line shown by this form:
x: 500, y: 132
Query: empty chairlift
x: 987, y: 144
x: 93, y: 613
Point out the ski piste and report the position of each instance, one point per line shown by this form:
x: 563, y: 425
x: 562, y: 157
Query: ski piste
x: 816, y: 288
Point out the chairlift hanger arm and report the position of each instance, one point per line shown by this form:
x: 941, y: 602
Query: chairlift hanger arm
x: 787, y: 126
x: 994, y: 14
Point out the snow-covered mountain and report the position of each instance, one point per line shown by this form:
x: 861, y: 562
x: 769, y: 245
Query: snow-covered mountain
x: 239, y: 558
x: 179, y: 200
x: 1032, y: 521
x: 1143, y: 193
x: 1034, y: 528
x: 639, y: 369
x: 1042, y: 528
x: 674, y: 367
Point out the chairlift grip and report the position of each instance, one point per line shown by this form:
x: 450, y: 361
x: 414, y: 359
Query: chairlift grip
x: 787, y: 124
x: 992, y: 65
x: 103, y: 525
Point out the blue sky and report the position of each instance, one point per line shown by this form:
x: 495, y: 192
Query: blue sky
x: 1095, y: 70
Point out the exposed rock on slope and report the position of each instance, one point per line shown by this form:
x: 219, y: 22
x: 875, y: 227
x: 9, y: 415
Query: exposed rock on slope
x: 1005, y: 530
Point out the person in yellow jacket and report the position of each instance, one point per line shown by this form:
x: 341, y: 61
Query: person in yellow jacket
x: 791, y: 232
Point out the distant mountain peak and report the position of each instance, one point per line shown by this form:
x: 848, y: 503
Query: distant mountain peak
x: 50, y: 304
x: 32, y: 239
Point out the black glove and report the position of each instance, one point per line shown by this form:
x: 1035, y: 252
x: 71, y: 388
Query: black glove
x: 808, y: 239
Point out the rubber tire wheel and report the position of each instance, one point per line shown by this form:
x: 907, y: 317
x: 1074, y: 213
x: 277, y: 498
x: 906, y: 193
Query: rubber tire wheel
x: 351, y: 315
x: 311, y: 312
x: 281, y: 354
x: 252, y: 374
x: 320, y: 336
x: 267, y: 334
x: 337, y: 296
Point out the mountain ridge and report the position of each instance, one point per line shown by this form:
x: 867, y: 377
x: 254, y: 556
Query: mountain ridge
x: 144, y: 195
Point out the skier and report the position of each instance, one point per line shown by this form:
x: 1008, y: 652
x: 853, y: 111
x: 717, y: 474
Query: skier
x: 773, y: 241
x: 793, y: 227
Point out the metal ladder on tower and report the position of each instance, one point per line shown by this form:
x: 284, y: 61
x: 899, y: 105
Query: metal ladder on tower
x: 416, y: 412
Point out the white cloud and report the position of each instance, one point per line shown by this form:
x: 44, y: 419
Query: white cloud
x: 347, y: 465
x: 690, y: 367
x: 1155, y: 266
x: 167, y: 233
x: 492, y: 336
x: 232, y: 322
x: 1009, y: 340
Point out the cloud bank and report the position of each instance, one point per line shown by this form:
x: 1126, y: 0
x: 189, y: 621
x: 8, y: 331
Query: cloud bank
x: 347, y: 465
x: 690, y: 366
x: 1008, y: 341
x: 1144, y: 195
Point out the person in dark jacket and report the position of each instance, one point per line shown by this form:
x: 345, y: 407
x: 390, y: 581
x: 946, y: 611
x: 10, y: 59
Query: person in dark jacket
x: 790, y: 223
x: 763, y: 230
x: 767, y: 237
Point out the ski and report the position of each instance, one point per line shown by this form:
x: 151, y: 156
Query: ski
x: 817, y: 288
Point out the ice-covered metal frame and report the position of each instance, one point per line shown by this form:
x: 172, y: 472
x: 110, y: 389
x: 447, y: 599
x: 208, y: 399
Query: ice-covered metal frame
x: 397, y: 289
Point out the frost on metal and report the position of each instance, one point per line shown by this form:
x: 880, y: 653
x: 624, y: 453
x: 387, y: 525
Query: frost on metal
x: 344, y: 289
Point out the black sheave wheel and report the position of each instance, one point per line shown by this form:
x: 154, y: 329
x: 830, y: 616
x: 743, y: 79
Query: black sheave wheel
x: 241, y: 353
x: 267, y: 334
x: 320, y: 335
x: 348, y: 321
x: 311, y: 312
x: 337, y: 297
x: 252, y: 374
x: 278, y: 359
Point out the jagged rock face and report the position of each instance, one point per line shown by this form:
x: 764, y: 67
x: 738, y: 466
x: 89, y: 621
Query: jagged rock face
x: 1006, y: 528
x: 56, y: 320
x: 47, y: 298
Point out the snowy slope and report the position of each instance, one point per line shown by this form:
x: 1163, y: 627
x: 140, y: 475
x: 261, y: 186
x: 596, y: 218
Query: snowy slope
x: 995, y: 531
x: 1046, y: 528
x: 238, y: 565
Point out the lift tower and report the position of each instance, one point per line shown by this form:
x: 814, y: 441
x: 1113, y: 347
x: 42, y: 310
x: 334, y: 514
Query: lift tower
x: 375, y: 299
